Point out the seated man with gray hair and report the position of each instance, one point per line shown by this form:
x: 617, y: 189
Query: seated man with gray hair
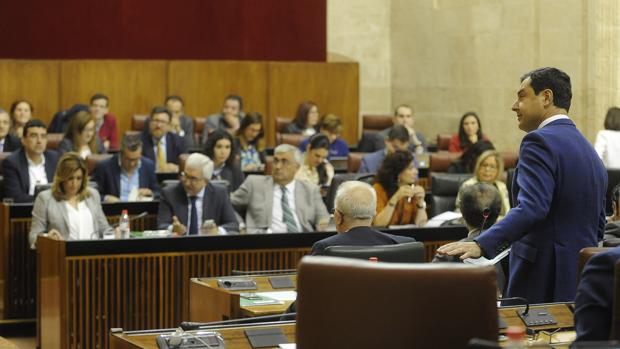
x: 279, y: 202
x: 355, y: 206
x: 127, y: 175
x: 185, y: 206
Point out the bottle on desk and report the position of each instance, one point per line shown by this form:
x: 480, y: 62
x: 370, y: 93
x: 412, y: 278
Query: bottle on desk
x: 516, y: 337
x: 123, y: 226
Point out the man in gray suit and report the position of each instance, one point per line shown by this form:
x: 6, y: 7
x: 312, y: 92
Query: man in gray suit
x: 280, y: 202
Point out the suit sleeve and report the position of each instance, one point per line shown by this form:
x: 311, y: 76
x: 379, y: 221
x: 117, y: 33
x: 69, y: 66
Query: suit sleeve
x: 240, y: 198
x: 320, y: 211
x: 99, y: 178
x: 228, y: 219
x: 102, y: 221
x: 593, y: 303
x: 164, y: 211
x: 39, y: 220
x: 12, y: 186
x: 537, y: 183
x: 317, y: 249
x: 363, y: 166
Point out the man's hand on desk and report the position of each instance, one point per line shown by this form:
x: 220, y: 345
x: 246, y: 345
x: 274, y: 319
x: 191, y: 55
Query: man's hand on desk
x: 54, y: 234
x: 462, y: 249
x: 177, y: 227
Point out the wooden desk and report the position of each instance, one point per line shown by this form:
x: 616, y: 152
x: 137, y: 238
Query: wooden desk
x: 208, y: 302
x: 233, y: 336
x: 560, y: 311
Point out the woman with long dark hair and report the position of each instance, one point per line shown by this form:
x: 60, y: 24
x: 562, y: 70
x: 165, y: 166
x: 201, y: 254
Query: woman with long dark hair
x: 316, y: 169
x: 220, y: 148
x: 306, y: 120
x: 399, y: 200
x: 249, y: 143
x: 470, y: 132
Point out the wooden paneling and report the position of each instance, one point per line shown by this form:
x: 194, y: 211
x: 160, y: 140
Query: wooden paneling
x: 132, y: 86
x: 204, y: 85
x: 333, y: 86
x: 35, y: 81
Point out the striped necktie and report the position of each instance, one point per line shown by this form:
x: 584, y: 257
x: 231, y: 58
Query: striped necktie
x: 287, y: 214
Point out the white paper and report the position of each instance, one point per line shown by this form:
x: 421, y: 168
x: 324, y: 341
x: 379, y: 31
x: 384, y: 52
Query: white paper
x: 287, y: 346
x: 482, y: 261
x: 443, y: 217
x: 279, y: 295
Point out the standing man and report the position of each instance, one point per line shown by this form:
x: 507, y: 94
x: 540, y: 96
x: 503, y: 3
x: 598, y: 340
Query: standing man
x: 559, y: 186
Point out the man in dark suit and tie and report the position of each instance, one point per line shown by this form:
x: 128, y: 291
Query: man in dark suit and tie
x: 184, y: 206
x: 559, y: 186
x: 160, y: 145
x: 355, y: 207
x: 8, y: 142
x: 126, y: 172
x: 30, y: 165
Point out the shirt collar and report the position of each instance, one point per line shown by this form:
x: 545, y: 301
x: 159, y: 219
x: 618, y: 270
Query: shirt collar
x: 30, y: 163
x: 290, y: 188
x: 552, y: 119
x: 163, y: 140
x: 200, y: 194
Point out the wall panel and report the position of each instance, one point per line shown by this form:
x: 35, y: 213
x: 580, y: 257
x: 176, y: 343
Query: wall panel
x: 133, y: 86
x: 333, y: 86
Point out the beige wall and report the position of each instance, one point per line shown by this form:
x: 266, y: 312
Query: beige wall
x: 450, y: 56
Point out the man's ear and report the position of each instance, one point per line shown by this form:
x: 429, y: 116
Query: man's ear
x: 547, y: 95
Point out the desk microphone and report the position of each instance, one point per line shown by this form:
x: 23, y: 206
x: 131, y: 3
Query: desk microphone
x: 539, y: 317
x: 190, y: 325
x: 524, y: 300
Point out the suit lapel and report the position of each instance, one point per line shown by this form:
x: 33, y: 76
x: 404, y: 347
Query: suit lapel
x: 268, y: 189
x: 170, y: 154
x: 116, y: 173
x: 50, y: 167
x: 208, y: 194
x: 65, y: 216
x: 299, y: 195
x: 23, y: 163
x: 182, y: 210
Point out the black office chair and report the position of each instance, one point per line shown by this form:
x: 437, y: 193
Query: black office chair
x: 444, y: 189
x: 410, y: 252
x: 338, y: 179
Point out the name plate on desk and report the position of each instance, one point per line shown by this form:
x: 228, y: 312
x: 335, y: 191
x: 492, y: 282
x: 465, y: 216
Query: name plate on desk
x: 237, y: 284
x: 267, y: 338
x: 281, y: 282
x: 192, y: 340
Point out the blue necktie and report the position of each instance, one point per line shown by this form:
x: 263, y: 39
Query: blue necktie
x: 193, y: 217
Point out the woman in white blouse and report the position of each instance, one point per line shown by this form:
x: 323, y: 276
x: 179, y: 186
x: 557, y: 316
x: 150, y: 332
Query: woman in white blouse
x: 70, y: 210
x: 607, y: 144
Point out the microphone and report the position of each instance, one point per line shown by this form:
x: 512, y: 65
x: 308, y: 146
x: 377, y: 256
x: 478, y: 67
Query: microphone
x: 191, y: 325
x: 539, y: 316
x: 524, y: 300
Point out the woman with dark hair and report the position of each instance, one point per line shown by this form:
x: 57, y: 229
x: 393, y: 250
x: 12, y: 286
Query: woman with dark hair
x: 220, y: 148
x: 306, y: 120
x: 248, y: 143
x: 316, y: 169
x: 399, y: 200
x: 70, y: 210
x: 470, y: 132
x: 467, y: 162
x: 607, y: 144
x: 20, y: 112
x: 81, y: 136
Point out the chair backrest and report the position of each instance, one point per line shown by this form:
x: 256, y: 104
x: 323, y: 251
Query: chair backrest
x: 345, y: 303
x: 410, y: 252
x: 443, y: 141
x: 199, y: 125
x: 584, y: 256
x: 93, y: 159
x: 375, y: 123
x: 138, y: 122
x: 54, y: 139
x: 353, y: 161
x: 282, y: 123
x: 338, y: 179
x: 444, y: 189
x: 2, y: 157
x: 289, y: 138
x: 182, y: 160
x: 268, y: 165
x: 441, y: 160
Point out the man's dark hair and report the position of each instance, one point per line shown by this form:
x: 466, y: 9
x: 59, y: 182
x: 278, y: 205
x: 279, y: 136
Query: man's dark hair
x: 32, y: 123
x: 477, y: 198
x: 391, y: 167
x: 398, y: 132
x: 174, y: 98
x: 555, y: 80
x: 235, y: 98
x: 97, y: 96
x: 612, y: 119
x: 216, y: 136
x: 131, y: 142
x: 160, y: 110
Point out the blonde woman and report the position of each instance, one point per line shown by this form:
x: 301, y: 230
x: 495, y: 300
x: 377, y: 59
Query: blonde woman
x: 70, y: 209
x: 489, y: 169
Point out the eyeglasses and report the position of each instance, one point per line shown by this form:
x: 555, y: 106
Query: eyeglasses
x: 283, y: 162
x: 185, y: 177
x: 158, y: 121
x: 488, y: 167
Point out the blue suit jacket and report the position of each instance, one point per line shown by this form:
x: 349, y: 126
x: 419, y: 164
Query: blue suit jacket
x: 358, y: 236
x: 16, y: 177
x: 175, y: 146
x: 559, y: 188
x: 107, y: 174
x: 595, y: 295
x: 371, y: 162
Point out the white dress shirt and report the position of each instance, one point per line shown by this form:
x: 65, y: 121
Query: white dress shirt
x: 81, y: 226
x: 36, y: 174
x: 552, y: 119
x: 199, y: 198
x: 277, y: 223
x: 607, y: 146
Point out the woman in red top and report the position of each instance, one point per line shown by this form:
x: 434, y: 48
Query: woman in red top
x: 470, y: 132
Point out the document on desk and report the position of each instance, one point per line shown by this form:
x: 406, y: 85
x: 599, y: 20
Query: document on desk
x: 484, y: 262
x: 288, y: 346
x: 439, y: 219
x: 282, y: 296
x: 254, y: 299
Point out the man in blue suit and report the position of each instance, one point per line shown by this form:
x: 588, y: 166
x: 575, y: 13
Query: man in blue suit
x: 397, y: 139
x: 595, y: 297
x: 559, y: 187
x: 123, y: 173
